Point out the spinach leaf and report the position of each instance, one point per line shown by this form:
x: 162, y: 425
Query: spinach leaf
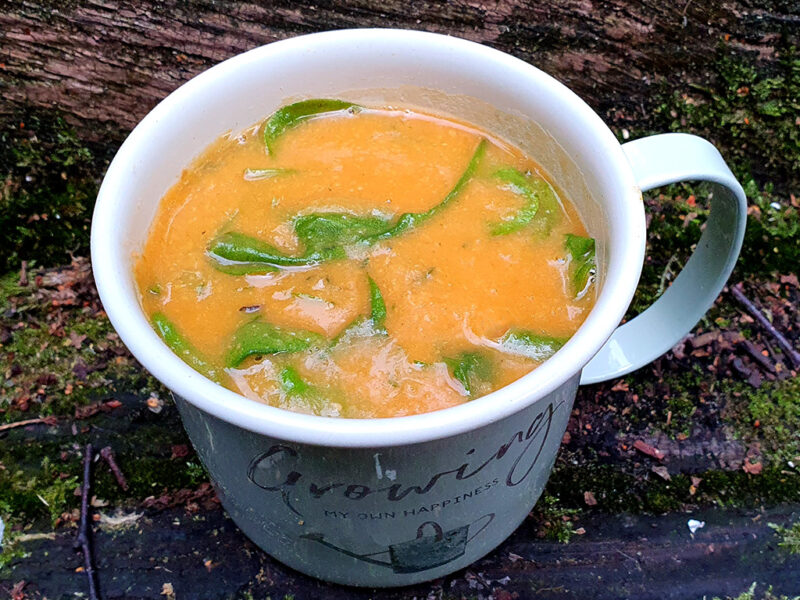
x: 518, y: 183
x: 377, y: 307
x: 531, y: 344
x: 324, y: 235
x: 472, y: 369
x: 260, y: 337
x: 411, y: 220
x: 298, y: 389
x: 292, y: 383
x: 239, y: 254
x: 290, y: 116
x: 183, y: 348
x: 582, y: 264
x: 541, y: 209
x: 324, y: 231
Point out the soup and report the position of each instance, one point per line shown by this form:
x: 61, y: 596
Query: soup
x: 364, y: 262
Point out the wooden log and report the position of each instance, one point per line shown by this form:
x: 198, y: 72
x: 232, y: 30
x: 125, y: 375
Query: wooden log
x: 205, y: 557
x: 105, y: 63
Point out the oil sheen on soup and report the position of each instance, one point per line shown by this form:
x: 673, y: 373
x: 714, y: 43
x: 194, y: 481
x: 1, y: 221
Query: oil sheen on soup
x: 359, y: 262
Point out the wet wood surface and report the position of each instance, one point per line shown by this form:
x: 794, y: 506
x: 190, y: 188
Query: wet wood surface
x: 205, y: 557
x: 105, y: 63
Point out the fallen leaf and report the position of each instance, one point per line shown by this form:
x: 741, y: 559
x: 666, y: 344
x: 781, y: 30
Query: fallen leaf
x: 84, y: 412
x: 620, y: 386
x: 589, y: 499
x: 580, y: 531
x: 179, y: 451
x: 662, y: 472
x: 17, y: 592
x: 752, y: 468
x: 649, y: 450
x: 790, y: 279
x: 76, y: 339
x: 704, y: 339
x: 209, y: 565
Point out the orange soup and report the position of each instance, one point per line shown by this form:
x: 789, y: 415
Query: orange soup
x: 365, y: 262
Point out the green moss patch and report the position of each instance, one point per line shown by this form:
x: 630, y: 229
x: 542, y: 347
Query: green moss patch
x: 49, y: 183
x: 771, y: 416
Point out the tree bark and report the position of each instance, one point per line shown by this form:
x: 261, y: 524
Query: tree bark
x: 104, y: 64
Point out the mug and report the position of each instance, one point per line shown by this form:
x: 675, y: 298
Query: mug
x: 396, y: 501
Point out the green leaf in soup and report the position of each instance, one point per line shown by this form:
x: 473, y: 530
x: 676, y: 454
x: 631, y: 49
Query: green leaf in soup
x: 549, y: 214
x: 324, y: 235
x: 183, y: 348
x: 239, y: 254
x: 518, y: 183
x: 294, y: 386
x: 259, y: 174
x: 582, y: 263
x: 292, y: 383
x: 472, y: 369
x: 260, y: 337
x: 411, y: 220
x: 291, y: 115
x: 541, y: 209
x: 377, y: 307
x: 531, y: 344
x: 579, y: 247
x: 323, y: 231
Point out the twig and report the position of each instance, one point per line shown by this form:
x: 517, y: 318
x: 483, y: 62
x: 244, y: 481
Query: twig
x: 23, y: 274
x: 45, y: 420
x: 786, y: 346
x: 83, y: 540
x: 757, y: 356
x: 108, y: 455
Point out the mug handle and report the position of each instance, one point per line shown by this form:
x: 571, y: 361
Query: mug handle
x: 659, y: 160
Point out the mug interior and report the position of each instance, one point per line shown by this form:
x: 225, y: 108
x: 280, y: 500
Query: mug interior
x: 446, y: 75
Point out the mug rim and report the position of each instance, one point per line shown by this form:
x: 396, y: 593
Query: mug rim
x: 126, y: 315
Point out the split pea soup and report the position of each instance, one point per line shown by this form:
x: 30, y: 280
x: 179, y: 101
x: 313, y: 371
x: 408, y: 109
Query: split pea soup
x: 363, y: 262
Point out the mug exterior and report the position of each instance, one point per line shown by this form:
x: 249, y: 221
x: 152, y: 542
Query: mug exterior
x: 387, y: 516
x: 373, y: 502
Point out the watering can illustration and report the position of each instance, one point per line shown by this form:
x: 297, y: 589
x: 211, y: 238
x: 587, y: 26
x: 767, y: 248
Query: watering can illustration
x: 432, y: 547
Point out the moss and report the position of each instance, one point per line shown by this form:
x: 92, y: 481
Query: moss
x: 48, y: 468
x: 619, y: 491
x: 50, y: 180
x: 750, y: 594
x: 44, y: 493
x: 742, y: 108
x: 12, y: 550
x: 555, y: 520
x: 771, y: 416
x: 674, y: 402
x: 44, y: 372
x: 789, y: 536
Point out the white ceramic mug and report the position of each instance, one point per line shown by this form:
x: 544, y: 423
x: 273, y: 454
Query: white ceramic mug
x: 396, y: 501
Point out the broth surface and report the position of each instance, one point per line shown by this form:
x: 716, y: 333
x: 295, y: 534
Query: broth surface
x: 468, y: 298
